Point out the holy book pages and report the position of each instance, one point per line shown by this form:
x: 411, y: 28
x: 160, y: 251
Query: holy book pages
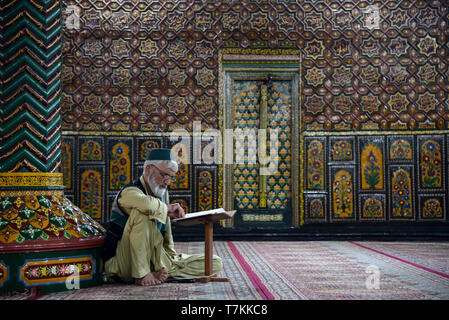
x: 191, y: 219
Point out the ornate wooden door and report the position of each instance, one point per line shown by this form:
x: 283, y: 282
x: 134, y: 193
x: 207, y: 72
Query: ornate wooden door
x: 261, y: 114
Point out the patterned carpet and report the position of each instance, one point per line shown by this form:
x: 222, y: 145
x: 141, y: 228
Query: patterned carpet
x: 344, y: 270
x: 318, y: 270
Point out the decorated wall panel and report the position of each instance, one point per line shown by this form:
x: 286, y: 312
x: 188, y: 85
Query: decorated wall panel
x: 372, y: 207
x: 401, y: 193
x: 341, y: 183
x: 316, y: 163
x: 374, y: 96
x: 371, y: 163
x: 431, y: 163
x: 93, y: 192
x: 387, y: 184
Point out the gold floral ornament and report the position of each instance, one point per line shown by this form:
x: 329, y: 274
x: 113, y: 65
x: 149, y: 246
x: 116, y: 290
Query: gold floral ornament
x: 91, y: 193
x: 149, y: 20
x: 314, y: 104
x: 92, y: 76
x: 92, y: 18
x: 145, y: 148
x: 204, y: 104
x: 342, y: 48
x: 204, y: 49
x: 316, y: 208
x: 120, y: 48
x: 121, y: 76
x: 176, y: 105
x: 315, y: 76
x: 342, y: 20
x: 120, y: 104
x: 398, y: 102
x: 398, y: 74
x: 371, y: 17
x: 177, y: 49
x: 432, y: 209
x: 342, y: 195
x: 91, y: 104
x: 149, y: 104
x: 39, y: 221
x: 177, y: 77
x: 203, y: 21
x: 398, y: 46
x: 372, y: 167
x: 370, y: 103
x: 427, y: 102
x: 286, y: 22
x: 370, y: 47
x: 120, y: 20
x: 314, y: 49
x: 313, y: 21
x: 342, y: 104
x: 231, y: 20
x: 428, y: 46
x: 402, y: 193
x: 372, y: 208
x: 149, y: 48
x: 370, y: 75
x: 175, y: 21
x: 92, y: 47
x: 10, y: 214
x: 342, y: 76
x: 91, y: 151
x: 401, y: 149
x: 259, y: 21
x: 399, y: 18
x: 427, y: 73
x: 205, y: 77
x: 8, y: 235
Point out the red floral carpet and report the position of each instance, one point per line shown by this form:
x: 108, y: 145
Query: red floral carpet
x: 350, y: 270
x: 319, y: 270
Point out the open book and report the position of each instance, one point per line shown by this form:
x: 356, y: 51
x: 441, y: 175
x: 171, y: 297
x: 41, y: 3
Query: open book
x: 208, y: 215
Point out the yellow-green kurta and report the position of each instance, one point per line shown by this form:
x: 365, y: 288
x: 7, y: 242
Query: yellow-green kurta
x: 142, y: 248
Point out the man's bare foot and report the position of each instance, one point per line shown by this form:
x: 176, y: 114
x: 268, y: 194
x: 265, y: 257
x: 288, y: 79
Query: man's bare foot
x: 149, y: 280
x: 161, y: 275
x: 153, y: 278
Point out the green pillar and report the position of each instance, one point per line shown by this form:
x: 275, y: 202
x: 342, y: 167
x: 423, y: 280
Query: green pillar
x: 46, y: 242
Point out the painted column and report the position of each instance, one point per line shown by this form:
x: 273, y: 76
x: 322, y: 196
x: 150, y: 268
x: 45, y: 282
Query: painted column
x: 45, y: 240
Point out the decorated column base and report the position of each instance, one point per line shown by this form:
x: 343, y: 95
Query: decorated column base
x: 50, y: 271
x: 47, y: 242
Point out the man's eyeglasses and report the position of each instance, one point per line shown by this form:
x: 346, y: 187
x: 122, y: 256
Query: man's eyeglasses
x: 165, y: 176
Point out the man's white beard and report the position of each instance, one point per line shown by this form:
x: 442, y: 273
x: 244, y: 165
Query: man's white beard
x: 155, y: 188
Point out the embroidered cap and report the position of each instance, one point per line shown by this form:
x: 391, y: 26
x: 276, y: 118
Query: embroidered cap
x: 161, y: 154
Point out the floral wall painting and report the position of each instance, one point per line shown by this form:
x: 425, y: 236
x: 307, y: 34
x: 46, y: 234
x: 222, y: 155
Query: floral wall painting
x: 371, y: 164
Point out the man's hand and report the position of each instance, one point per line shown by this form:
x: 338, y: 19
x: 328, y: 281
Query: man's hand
x: 174, y: 211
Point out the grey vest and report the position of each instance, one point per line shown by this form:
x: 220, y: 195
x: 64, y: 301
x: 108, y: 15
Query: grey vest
x: 117, y: 222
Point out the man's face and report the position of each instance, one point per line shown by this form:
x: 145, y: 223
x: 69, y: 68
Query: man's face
x: 159, y: 178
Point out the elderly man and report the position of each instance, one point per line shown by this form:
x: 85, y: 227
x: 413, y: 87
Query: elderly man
x: 139, y: 244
